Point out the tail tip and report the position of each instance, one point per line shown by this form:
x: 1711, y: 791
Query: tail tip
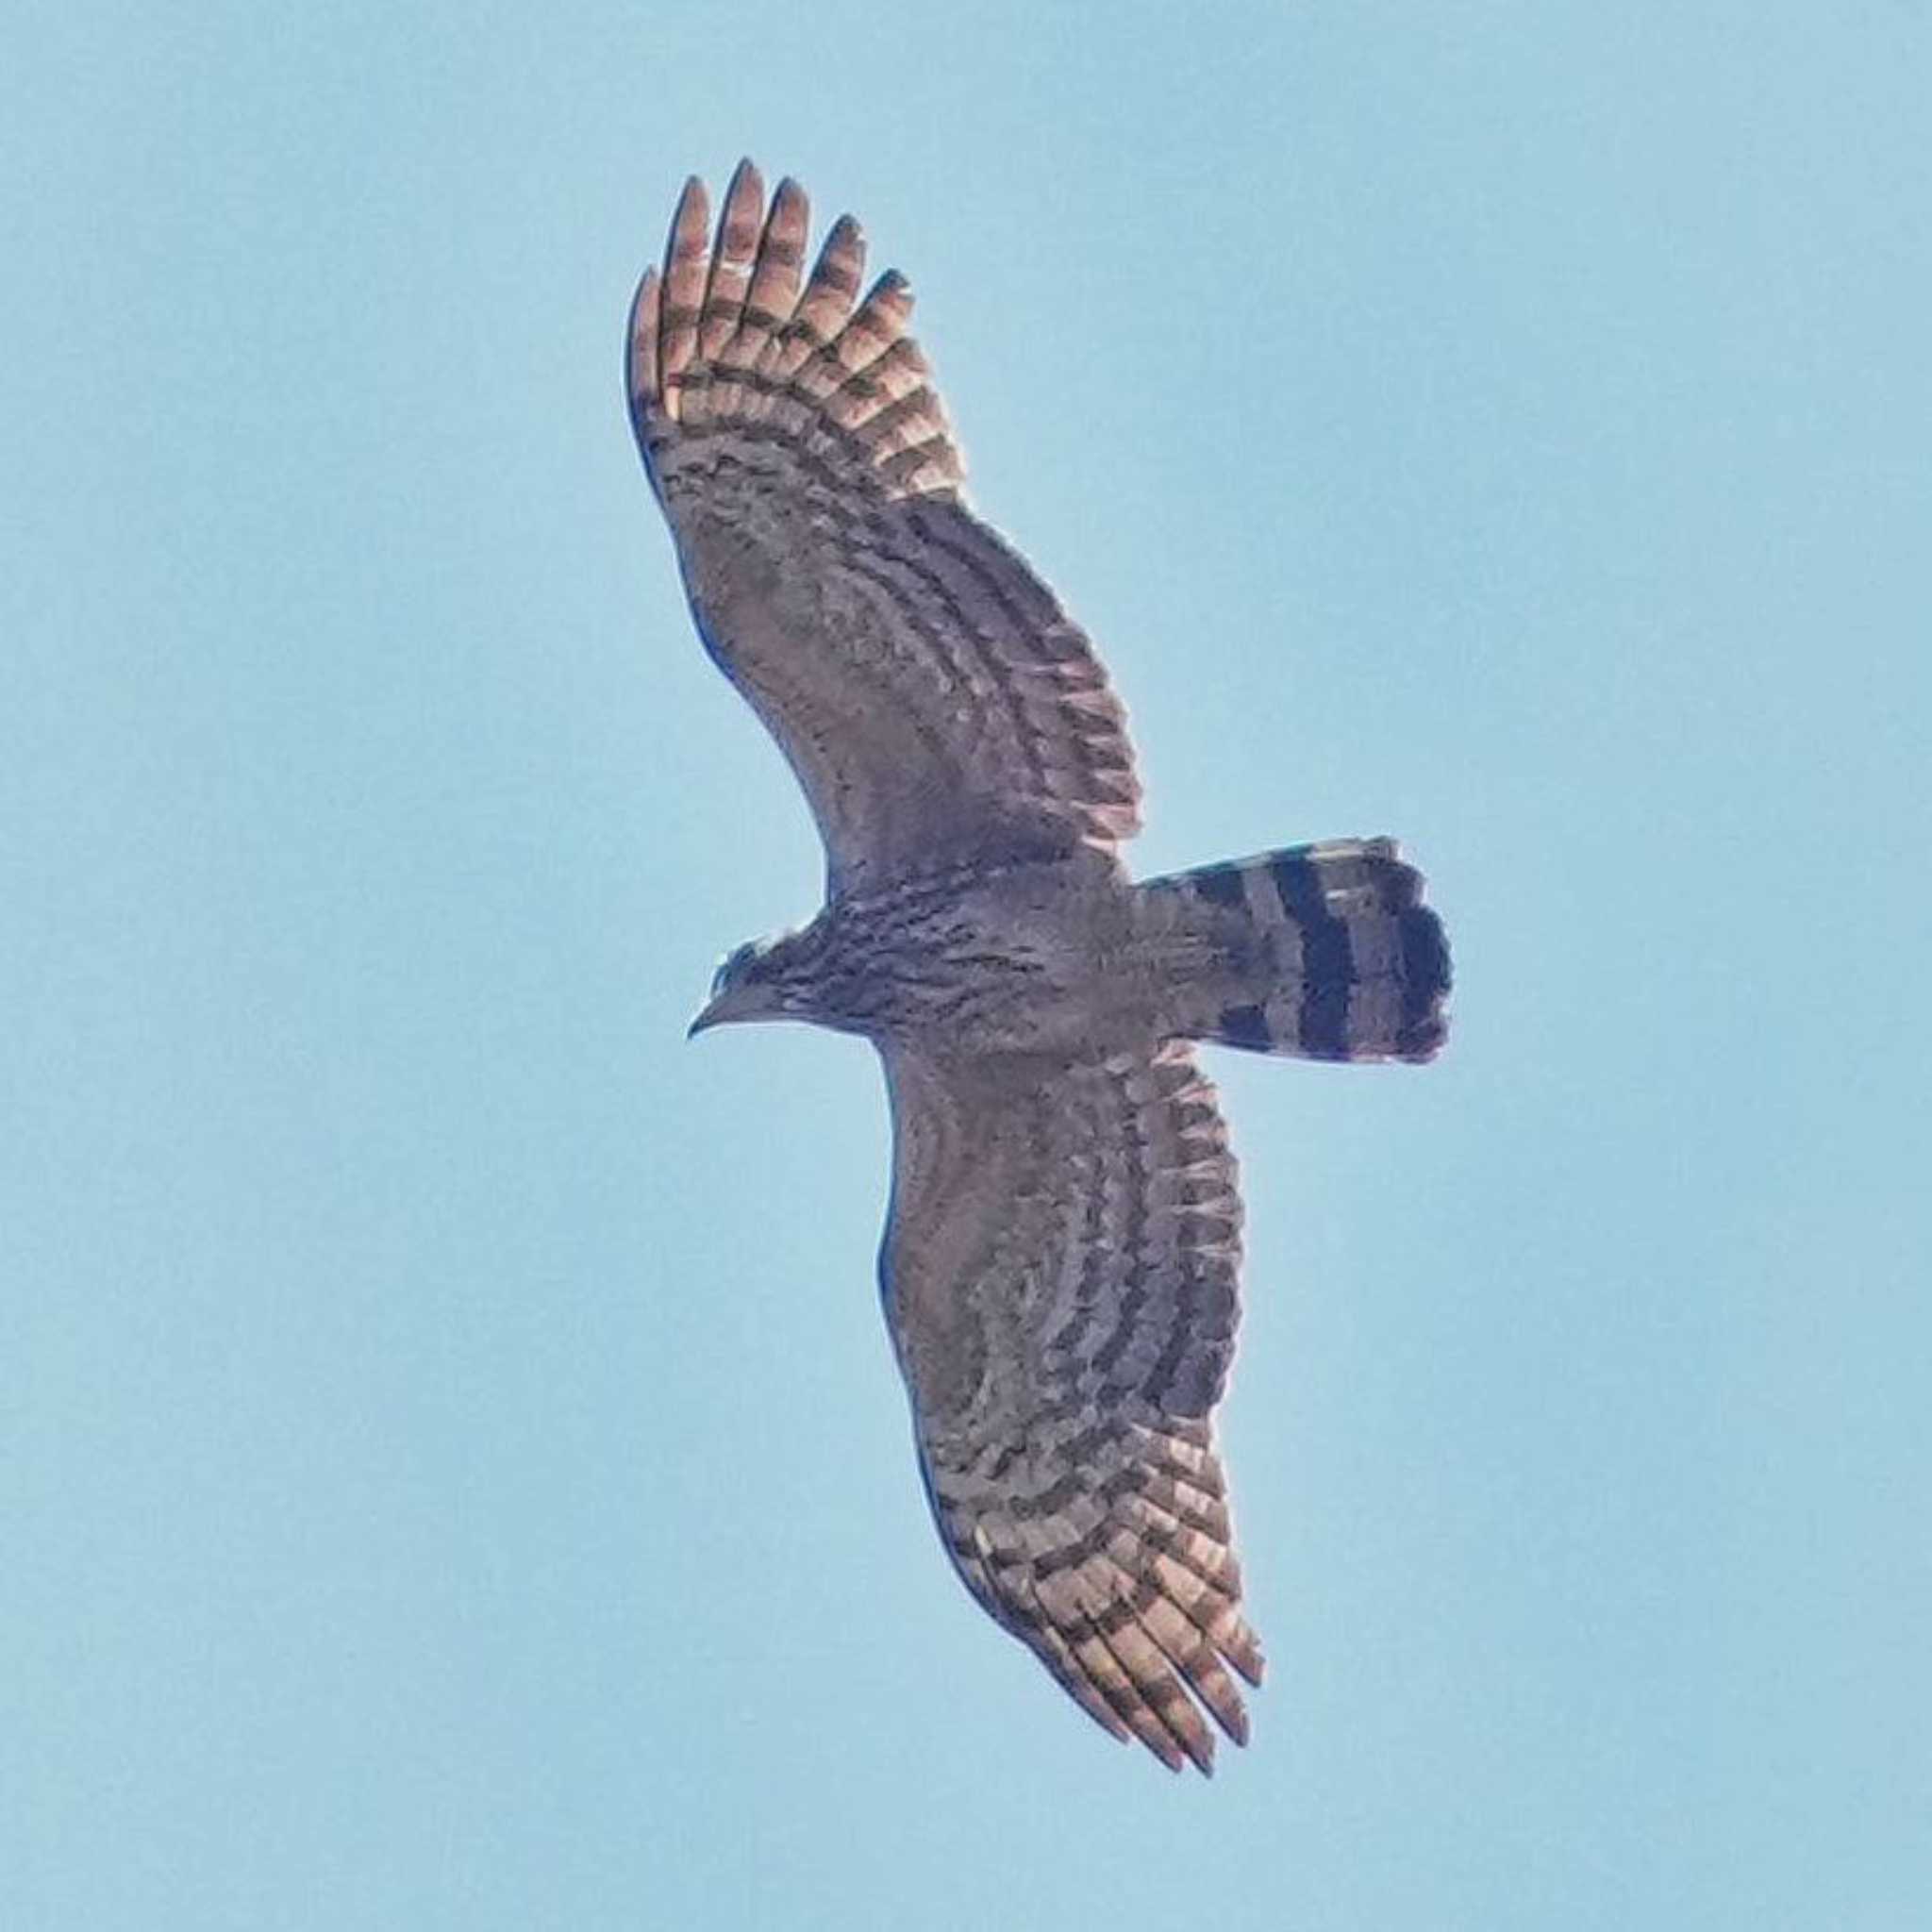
x: 1426, y: 978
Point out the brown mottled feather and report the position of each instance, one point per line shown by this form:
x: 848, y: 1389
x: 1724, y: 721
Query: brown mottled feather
x: 1078, y: 1490
x: 773, y: 295
x: 685, y: 257
x: 933, y: 697
x: 739, y: 228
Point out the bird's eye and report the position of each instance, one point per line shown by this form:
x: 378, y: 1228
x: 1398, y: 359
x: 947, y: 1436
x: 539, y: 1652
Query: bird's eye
x: 732, y: 967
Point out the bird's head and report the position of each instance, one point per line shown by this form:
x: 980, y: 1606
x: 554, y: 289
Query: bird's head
x: 759, y: 980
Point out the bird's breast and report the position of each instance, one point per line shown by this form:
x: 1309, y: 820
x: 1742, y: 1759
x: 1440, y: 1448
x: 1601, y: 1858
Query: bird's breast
x: 1003, y: 966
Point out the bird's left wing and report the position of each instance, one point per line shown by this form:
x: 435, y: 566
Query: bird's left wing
x: 933, y: 697
x: 1059, y: 1276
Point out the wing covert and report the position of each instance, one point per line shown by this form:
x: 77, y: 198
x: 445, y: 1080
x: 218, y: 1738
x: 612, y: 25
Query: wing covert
x: 1060, y: 1275
x: 933, y: 697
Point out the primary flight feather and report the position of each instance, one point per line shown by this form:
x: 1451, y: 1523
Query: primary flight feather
x: 1061, y: 1250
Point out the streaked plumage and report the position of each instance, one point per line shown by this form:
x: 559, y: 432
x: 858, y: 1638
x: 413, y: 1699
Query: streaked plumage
x: 1060, y: 1257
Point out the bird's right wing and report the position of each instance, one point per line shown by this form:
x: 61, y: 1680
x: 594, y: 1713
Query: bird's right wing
x: 934, y: 699
x: 1059, y: 1276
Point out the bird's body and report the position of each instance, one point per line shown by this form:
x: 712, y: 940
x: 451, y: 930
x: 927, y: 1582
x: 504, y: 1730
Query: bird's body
x: 1045, y: 956
x: 1061, y: 1260
x: 1066, y: 958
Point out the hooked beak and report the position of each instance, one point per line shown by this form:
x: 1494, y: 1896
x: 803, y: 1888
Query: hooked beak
x: 734, y: 1003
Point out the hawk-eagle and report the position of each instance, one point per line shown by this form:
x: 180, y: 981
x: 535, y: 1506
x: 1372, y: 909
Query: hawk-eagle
x: 1059, y: 1261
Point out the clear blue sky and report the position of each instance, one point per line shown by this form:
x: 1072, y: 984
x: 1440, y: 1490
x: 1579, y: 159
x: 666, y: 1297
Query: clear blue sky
x: 451, y: 1468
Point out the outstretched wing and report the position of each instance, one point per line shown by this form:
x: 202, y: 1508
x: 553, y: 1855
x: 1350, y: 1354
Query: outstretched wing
x: 1059, y: 1276
x: 931, y: 694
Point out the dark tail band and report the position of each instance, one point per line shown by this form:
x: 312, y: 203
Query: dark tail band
x: 1342, y: 959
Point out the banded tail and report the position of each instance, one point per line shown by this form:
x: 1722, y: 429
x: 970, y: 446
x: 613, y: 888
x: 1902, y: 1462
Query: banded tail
x: 1328, y: 951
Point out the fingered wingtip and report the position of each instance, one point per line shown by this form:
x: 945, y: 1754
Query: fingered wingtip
x: 641, y: 350
x: 691, y: 219
x: 735, y: 327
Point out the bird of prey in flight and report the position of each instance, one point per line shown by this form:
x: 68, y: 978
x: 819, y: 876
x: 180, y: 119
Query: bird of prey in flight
x: 1059, y: 1263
